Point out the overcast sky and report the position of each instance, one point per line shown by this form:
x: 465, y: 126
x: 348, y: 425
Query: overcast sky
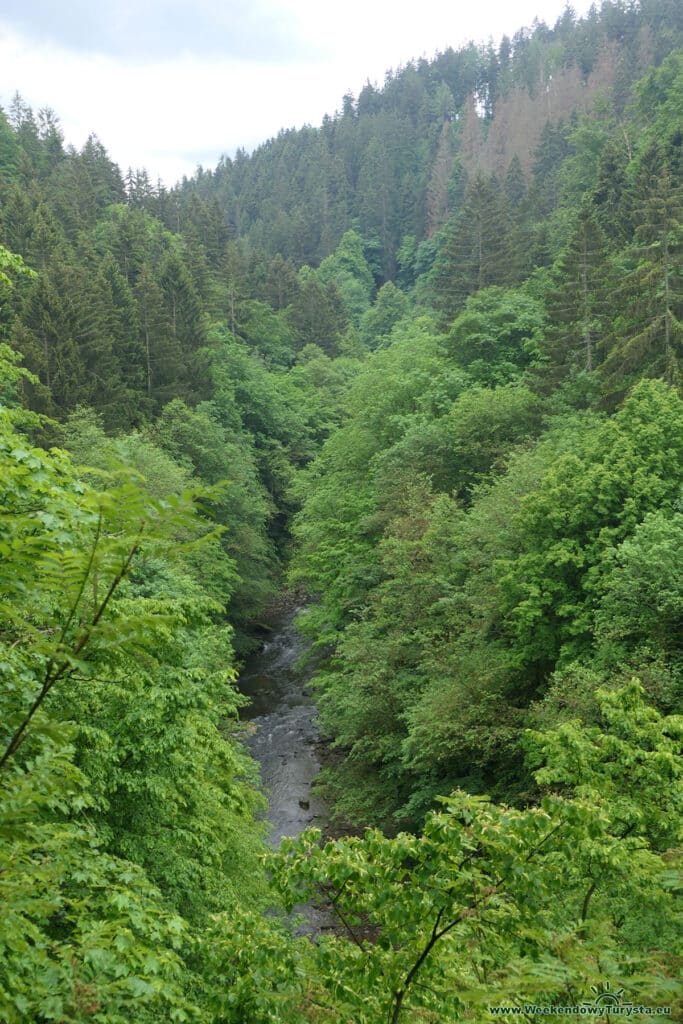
x: 170, y: 84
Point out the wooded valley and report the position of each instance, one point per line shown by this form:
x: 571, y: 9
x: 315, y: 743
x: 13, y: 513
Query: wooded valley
x: 423, y: 364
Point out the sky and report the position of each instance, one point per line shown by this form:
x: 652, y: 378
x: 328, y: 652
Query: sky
x: 170, y: 84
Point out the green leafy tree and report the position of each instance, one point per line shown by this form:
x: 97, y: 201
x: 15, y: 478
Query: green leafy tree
x: 497, y: 335
x: 113, y: 771
x: 640, y: 612
x: 11, y: 267
x: 349, y: 270
x: 82, y: 932
x: 490, y: 906
x: 217, y: 455
x: 591, y: 500
x: 377, y: 323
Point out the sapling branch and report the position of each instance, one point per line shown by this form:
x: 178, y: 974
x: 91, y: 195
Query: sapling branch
x: 55, y: 672
x: 84, y: 581
x: 586, y: 903
x: 399, y: 996
x: 439, y: 932
x: 348, y: 927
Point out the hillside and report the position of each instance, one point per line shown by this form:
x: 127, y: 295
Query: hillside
x: 421, y: 364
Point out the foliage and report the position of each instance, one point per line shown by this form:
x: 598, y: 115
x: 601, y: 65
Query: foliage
x: 490, y: 905
x: 109, y: 776
x: 426, y: 357
x: 497, y: 335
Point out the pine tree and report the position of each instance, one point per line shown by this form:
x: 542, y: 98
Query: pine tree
x: 46, y: 337
x: 578, y: 306
x: 183, y: 309
x: 161, y: 349
x: 476, y: 252
x: 648, y: 334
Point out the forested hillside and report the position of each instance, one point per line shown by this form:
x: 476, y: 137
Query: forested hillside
x: 423, y: 364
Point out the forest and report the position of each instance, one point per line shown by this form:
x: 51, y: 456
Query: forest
x: 422, y: 364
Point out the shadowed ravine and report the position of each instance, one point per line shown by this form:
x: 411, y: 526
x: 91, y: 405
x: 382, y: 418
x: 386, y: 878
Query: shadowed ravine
x: 282, y: 717
x: 282, y: 739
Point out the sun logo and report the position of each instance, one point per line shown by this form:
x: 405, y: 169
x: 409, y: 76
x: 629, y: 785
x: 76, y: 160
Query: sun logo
x: 605, y: 996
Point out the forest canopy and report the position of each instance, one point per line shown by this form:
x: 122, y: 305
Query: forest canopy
x: 422, y: 366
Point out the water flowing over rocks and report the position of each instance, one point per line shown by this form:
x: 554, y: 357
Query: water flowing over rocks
x: 283, y: 720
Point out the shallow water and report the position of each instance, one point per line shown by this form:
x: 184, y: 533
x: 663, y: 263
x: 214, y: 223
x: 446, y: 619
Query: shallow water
x: 282, y: 737
x: 285, y: 732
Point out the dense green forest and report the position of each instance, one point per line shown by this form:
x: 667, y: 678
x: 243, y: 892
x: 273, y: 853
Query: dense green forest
x: 423, y: 364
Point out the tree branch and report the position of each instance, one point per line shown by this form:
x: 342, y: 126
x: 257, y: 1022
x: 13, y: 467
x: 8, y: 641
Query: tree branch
x: 54, y: 673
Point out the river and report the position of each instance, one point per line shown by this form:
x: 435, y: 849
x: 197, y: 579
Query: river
x: 283, y: 732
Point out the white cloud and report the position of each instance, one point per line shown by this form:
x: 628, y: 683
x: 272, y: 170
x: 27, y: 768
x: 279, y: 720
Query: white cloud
x: 169, y: 115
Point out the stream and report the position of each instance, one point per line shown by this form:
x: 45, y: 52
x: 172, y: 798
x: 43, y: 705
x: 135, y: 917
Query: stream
x: 282, y: 739
x: 283, y: 730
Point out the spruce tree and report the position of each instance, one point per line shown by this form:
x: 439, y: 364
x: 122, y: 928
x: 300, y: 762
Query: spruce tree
x: 183, y: 308
x: 648, y: 334
x: 45, y: 334
x: 578, y: 304
x: 610, y: 195
x: 317, y: 314
x: 161, y: 350
x: 476, y: 251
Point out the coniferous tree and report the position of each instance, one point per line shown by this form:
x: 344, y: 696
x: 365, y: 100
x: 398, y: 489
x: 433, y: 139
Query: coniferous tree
x: 231, y: 289
x: 281, y: 284
x: 74, y: 197
x: 610, y: 195
x: 183, y: 308
x: 476, y: 251
x: 379, y: 190
x: 95, y: 322
x: 552, y: 148
x: 578, y: 305
x: 126, y: 345
x: 160, y: 346
x: 514, y: 184
x: 9, y: 149
x: 103, y: 173
x: 317, y: 314
x: 46, y: 335
x: 649, y: 332
x: 128, y: 239
x: 52, y: 141
x: 22, y: 120
x: 30, y: 227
